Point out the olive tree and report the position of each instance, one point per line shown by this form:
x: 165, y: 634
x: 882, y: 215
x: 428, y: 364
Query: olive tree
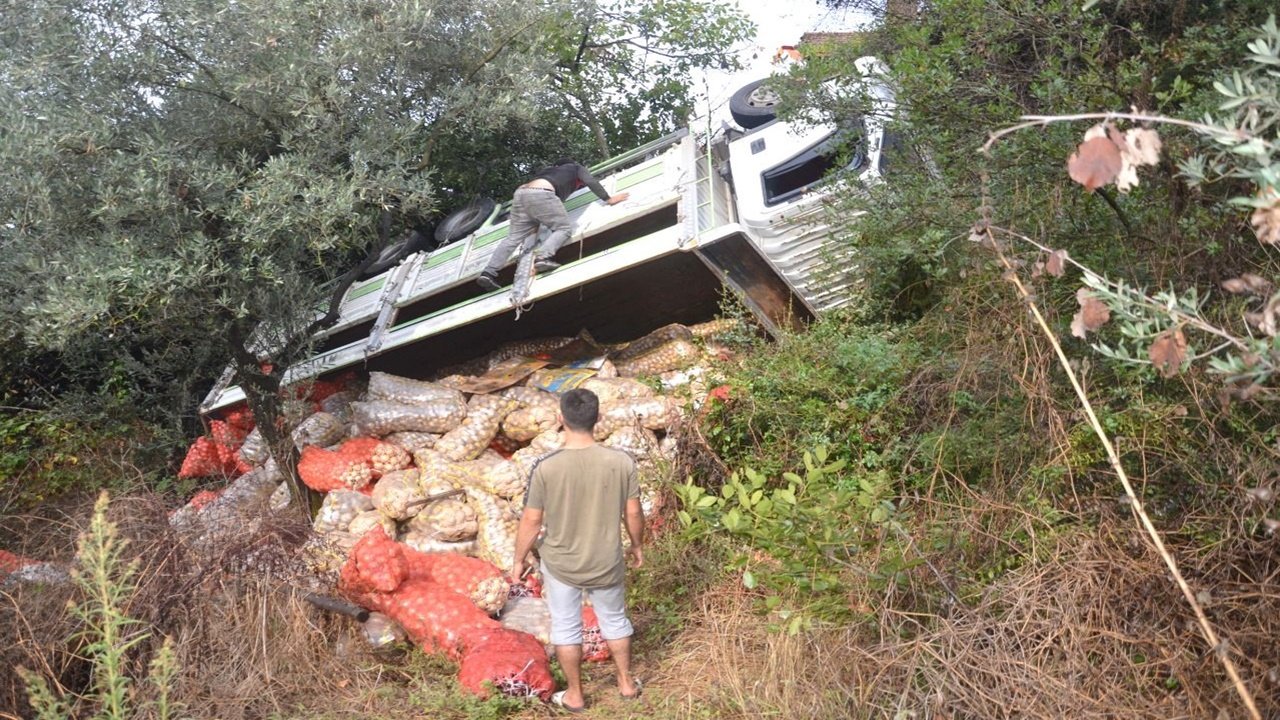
x: 186, y: 180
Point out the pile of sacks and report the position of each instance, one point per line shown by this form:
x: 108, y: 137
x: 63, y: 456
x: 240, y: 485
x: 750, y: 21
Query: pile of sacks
x: 424, y: 481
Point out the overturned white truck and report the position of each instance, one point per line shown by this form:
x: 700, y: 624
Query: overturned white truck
x: 739, y: 211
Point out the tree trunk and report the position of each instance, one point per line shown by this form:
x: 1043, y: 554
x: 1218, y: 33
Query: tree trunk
x: 262, y: 392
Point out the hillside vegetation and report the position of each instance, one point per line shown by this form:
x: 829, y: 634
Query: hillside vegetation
x: 915, y: 509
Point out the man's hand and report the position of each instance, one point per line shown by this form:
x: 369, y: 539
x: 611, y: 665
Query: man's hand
x: 615, y: 199
x: 637, y: 556
x: 517, y: 571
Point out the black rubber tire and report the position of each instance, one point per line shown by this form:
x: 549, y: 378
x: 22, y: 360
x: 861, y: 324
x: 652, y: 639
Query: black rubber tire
x: 464, y: 221
x: 395, y: 253
x: 753, y: 104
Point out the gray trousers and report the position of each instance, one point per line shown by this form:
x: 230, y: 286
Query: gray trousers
x: 531, y: 208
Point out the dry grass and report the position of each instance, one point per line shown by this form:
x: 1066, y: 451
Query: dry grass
x: 246, y: 645
x: 1094, y: 631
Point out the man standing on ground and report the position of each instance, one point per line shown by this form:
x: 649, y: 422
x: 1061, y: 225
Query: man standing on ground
x: 580, y: 493
x: 541, y: 202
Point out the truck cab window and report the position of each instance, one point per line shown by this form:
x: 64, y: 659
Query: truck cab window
x: 789, y: 179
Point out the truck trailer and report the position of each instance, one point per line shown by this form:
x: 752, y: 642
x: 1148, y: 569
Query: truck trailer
x: 738, y: 211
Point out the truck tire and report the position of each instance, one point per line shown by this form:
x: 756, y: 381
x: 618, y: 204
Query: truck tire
x: 464, y: 221
x: 395, y: 253
x: 754, y: 104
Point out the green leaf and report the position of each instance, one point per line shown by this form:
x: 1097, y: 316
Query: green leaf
x: 748, y: 580
x: 793, y: 627
x: 705, y: 501
x: 733, y: 520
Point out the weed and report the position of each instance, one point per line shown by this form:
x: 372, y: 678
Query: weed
x: 106, y: 584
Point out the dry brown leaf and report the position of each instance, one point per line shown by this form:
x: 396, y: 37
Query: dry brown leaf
x: 1261, y: 494
x: 1266, y: 320
x: 1056, y: 264
x: 1142, y: 146
x: 1138, y: 146
x: 1257, y: 283
x: 1168, y: 352
x: 1095, y: 163
x: 1093, y: 314
x: 1247, y: 283
x: 1235, y: 286
x: 1266, y: 220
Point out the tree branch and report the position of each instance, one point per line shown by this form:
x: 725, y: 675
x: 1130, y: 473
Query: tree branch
x: 440, y: 124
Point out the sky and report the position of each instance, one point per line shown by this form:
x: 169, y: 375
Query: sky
x: 778, y: 23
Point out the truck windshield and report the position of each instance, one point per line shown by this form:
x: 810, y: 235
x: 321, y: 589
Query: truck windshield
x: 804, y: 169
x: 789, y: 179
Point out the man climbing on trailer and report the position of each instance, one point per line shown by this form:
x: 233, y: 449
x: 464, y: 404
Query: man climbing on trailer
x: 541, y: 202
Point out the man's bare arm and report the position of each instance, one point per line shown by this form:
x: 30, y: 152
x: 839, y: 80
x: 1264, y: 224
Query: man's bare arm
x: 635, y: 529
x: 526, y: 534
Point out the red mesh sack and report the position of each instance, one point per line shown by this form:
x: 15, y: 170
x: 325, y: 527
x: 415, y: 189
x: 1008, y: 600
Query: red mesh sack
x: 228, y: 457
x: 504, y: 446
x: 9, y: 562
x: 202, y: 498
x: 377, y: 575
x: 437, y: 618
x: 202, y: 460
x: 509, y: 661
x: 529, y: 586
x: 324, y: 470
x: 381, y: 457
x: 320, y: 389
x: 360, y: 448
x: 594, y: 647
x: 224, y: 433
x: 376, y: 564
x: 474, y: 578
x: 240, y: 417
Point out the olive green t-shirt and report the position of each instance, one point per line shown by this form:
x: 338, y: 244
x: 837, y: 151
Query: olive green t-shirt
x: 583, y: 494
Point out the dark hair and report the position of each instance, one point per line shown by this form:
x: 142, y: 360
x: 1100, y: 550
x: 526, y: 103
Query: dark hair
x: 580, y: 409
x: 565, y: 161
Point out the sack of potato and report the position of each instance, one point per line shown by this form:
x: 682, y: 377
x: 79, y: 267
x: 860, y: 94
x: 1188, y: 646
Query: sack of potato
x: 484, y: 416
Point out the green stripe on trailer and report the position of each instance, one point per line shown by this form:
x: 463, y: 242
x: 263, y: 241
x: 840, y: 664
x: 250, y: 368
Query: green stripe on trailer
x: 641, y: 151
x: 444, y: 257
x: 639, y: 176
x: 368, y: 288
x: 578, y: 201
x: 490, y: 237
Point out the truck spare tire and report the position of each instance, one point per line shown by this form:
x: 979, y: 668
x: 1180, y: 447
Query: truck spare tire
x: 464, y: 221
x: 754, y: 104
x: 396, y: 252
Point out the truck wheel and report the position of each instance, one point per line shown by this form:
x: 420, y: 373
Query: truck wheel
x: 754, y: 104
x: 395, y: 253
x: 464, y: 221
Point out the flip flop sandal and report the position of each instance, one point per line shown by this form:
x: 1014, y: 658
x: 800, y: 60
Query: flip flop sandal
x: 639, y: 689
x: 557, y: 699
